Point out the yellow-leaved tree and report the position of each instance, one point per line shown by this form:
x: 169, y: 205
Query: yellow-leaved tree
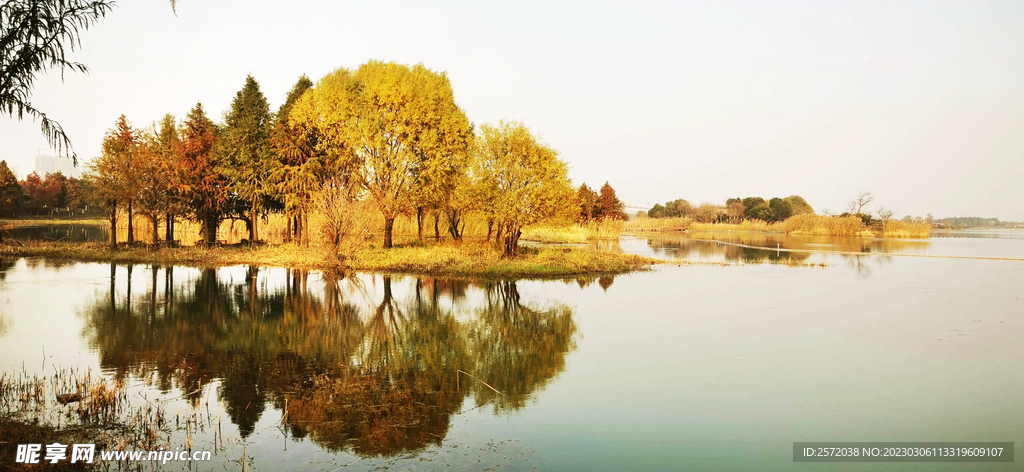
x: 519, y: 180
x: 394, y: 129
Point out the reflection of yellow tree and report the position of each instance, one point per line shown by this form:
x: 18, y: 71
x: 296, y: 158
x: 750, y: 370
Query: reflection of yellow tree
x: 517, y: 348
x: 376, y: 381
x: 401, y: 391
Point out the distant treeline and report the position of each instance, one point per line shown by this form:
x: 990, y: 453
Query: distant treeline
x: 964, y: 222
x: 53, y: 194
x: 734, y: 211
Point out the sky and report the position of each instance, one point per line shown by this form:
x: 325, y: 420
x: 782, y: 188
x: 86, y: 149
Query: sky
x: 919, y: 102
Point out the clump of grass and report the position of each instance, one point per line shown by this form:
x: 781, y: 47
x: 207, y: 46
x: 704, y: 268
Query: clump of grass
x: 575, y: 233
x: 605, y: 229
x: 658, y: 224
x: 804, y: 224
x: 900, y: 229
x: 746, y: 225
x: 821, y: 225
x: 566, y: 234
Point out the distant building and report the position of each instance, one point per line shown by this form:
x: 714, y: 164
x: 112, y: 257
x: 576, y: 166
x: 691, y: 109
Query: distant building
x: 46, y: 164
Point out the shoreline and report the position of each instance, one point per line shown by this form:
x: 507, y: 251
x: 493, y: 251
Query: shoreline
x: 440, y: 260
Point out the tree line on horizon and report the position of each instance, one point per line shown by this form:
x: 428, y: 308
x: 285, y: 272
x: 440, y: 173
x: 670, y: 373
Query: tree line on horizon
x: 734, y: 211
x: 385, y: 134
x: 48, y: 195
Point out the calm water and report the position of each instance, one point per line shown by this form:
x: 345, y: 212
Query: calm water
x: 681, y: 368
x: 61, y: 232
x: 230, y: 233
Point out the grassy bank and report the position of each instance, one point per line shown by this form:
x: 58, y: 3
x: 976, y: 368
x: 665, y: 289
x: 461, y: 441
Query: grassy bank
x: 448, y: 259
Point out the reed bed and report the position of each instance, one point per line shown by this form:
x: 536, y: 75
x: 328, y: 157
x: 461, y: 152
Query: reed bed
x: 821, y: 225
x: 568, y: 234
x: 747, y: 225
x: 804, y: 224
x: 658, y: 224
x: 900, y: 229
x: 571, y: 233
x: 72, y: 406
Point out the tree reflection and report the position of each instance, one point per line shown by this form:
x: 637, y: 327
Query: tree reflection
x: 518, y: 348
x: 373, y: 374
x: 774, y: 248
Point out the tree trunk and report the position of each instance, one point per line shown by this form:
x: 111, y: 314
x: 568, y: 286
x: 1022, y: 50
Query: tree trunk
x: 305, y: 229
x: 113, y: 231
x: 454, y: 217
x: 156, y: 229
x: 490, y: 229
x: 511, y: 242
x: 253, y: 231
x: 389, y: 226
x: 210, y: 229
x: 131, y: 226
x: 499, y: 232
x: 169, y: 231
x: 419, y: 222
x: 437, y: 233
x: 289, y: 233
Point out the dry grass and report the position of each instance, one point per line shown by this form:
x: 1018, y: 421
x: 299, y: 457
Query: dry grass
x: 482, y: 260
x: 805, y: 224
x: 567, y: 234
x: 658, y: 224
x: 748, y: 225
x: 605, y: 229
x: 900, y: 229
x: 573, y: 233
x: 74, y: 407
x: 820, y: 225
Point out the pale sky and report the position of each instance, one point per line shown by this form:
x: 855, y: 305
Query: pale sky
x: 920, y: 102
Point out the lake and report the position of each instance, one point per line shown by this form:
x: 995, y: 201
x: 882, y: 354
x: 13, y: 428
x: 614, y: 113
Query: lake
x: 718, y: 363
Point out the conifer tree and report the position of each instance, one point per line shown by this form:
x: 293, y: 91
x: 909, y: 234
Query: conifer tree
x: 202, y: 185
x: 298, y: 173
x: 610, y: 205
x: 168, y: 144
x: 586, y: 200
x: 110, y: 175
x: 250, y: 159
x: 11, y: 194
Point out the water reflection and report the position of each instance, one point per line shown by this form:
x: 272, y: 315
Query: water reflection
x: 59, y: 232
x: 372, y: 365
x: 773, y: 248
